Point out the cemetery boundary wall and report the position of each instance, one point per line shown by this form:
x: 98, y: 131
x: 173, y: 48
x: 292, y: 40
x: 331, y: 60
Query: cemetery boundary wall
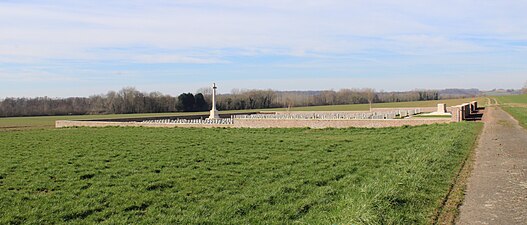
x: 267, y: 123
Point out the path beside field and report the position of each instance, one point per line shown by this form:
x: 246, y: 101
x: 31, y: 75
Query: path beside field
x: 497, y: 188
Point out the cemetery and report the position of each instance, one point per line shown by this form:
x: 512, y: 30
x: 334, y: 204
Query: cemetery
x: 126, y: 171
x: 376, y: 117
x: 324, y: 112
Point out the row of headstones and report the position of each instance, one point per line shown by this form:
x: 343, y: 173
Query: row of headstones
x: 305, y: 116
x: 191, y: 121
x: 345, y: 116
x: 375, y: 115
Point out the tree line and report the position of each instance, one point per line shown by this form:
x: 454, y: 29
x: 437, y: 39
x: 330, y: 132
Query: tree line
x: 130, y: 100
x: 256, y: 99
x: 127, y: 100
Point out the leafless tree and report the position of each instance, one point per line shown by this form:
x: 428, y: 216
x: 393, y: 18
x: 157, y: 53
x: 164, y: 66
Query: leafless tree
x: 370, y: 95
x: 524, y: 89
x: 289, y: 104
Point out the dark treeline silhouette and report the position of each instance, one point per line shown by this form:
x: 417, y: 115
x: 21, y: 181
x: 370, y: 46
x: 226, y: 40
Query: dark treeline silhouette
x: 188, y: 102
x: 130, y: 100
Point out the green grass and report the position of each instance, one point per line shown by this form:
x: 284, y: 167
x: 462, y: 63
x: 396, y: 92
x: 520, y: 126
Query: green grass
x: 519, y: 113
x: 235, y: 176
x: 516, y: 105
x: 49, y: 121
x: 513, y: 99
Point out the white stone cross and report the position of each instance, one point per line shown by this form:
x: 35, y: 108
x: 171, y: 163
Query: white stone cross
x: 213, y: 112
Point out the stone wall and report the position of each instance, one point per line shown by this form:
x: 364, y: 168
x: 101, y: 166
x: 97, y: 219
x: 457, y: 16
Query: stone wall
x: 71, y: 123
x: 255, y: 123
x: 267, y: 123
x: 456, y: 114
x: 463, y: 111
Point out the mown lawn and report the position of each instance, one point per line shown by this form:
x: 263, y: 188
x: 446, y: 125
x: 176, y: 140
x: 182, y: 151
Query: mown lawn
x: 236, y: 176
x: 516, y: 105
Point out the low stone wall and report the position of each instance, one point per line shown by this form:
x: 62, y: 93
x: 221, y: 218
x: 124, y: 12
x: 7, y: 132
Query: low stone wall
x: 266, y: 123
x: 255, y: 123
x: 70, y: 123
x: 463, y: 111
x: 473, y: 106
x: 456, y: 114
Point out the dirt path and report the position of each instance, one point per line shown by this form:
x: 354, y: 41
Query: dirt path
x: 497, y: 188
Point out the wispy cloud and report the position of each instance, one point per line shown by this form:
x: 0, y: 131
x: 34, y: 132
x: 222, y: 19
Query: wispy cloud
x: 234, y: 40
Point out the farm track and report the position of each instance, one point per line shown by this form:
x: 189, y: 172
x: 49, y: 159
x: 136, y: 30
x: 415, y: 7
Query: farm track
x: 497, y: 189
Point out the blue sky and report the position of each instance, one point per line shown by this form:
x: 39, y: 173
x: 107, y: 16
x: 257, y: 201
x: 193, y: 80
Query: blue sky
x: 78, y: 48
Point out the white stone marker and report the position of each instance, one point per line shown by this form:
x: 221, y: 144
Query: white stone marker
x: 441, y: 111
x: 441, y: 108
x: 213, y: 112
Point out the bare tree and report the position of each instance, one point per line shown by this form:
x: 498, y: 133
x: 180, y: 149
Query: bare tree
x: 204, y: 91
x: 370, y: 95
x: 289, y: 103
x: 524, y: 89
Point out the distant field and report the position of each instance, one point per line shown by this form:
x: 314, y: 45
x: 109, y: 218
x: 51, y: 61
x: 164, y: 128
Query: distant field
x: 516, y: 105
x: 235, y: 176
x: 49, y: 121
x: 522, y: 99
x: 366, y: 107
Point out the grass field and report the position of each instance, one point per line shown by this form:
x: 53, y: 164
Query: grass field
x: 521, y: 99
x: 38, y: 122
x: 236, y: 176
x: 516, y: 105
x: 49, y: 121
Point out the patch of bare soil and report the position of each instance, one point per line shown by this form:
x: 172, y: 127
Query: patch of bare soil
x: 497, y: 188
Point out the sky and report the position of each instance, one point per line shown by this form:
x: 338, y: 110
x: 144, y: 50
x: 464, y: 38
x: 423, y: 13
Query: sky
x: 78, y: 48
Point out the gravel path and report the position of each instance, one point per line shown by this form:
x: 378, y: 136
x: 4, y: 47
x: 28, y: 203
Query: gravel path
x: 497, y: 188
